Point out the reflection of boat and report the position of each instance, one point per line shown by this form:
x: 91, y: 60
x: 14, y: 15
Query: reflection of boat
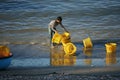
x: 110, y: 58
x: 88, y: 53
x: 5, y: 62
x: 58, y: 58
x: 5, y: 57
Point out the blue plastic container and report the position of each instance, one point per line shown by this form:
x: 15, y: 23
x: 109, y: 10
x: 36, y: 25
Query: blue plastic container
x: 5, y: 62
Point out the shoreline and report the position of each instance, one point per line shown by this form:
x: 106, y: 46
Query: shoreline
x: 65, y: 69
x: 62, y: 73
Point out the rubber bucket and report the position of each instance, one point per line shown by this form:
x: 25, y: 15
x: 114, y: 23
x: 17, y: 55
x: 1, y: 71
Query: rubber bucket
x: 111, y: 47
x: 87, y: 43
x: 57, y: 38
x: 70, y: 48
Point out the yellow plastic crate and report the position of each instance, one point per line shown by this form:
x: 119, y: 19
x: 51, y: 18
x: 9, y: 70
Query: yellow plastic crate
x: 111, y: 47
x: 70, y: 48
x: 4, y: 51
x: 65, y: 38
x: 87, y: 43
x: 57, y: 38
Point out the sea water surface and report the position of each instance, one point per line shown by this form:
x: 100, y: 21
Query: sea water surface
x: 24, y: 25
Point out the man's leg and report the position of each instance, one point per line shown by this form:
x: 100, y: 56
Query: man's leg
x: 51, y: 36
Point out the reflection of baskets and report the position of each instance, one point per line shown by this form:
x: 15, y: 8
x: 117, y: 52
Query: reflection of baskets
x: 57, y: 38
x: 69, y: 60
x: 87, y: 43
x: 70, y: 48
x: 87, y: 51
x: 88, y: 61
x: 57, y: 57
x: 110, y: 47
x: 111, y: 58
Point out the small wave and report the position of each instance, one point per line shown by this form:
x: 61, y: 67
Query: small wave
x: 4, y: 43
x: 25, y: 43
x: 27, y: 30
x: 98, y: 41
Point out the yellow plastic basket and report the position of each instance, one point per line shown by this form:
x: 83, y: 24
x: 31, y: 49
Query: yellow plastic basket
x: 70, y: 48
x: 4, y: 51
x: 65, y: 38
x: 87, y: 43
x: 111, y: 47
x: 57, y: 38
x: 66, y: 34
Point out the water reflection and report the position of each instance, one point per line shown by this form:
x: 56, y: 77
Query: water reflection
x: 59, y: 58
x: 111, y: 58
x: 88, y: 55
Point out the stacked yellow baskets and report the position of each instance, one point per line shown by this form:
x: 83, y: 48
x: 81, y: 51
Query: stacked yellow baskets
x: 64, y: 38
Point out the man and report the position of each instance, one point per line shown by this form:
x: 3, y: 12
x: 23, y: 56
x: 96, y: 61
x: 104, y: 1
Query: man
x: 52, y: 27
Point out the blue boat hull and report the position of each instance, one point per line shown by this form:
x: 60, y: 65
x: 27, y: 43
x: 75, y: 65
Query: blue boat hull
x: 5, y: 62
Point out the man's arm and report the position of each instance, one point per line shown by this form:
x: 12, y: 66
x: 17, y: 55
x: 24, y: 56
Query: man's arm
x: 63, y: 27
